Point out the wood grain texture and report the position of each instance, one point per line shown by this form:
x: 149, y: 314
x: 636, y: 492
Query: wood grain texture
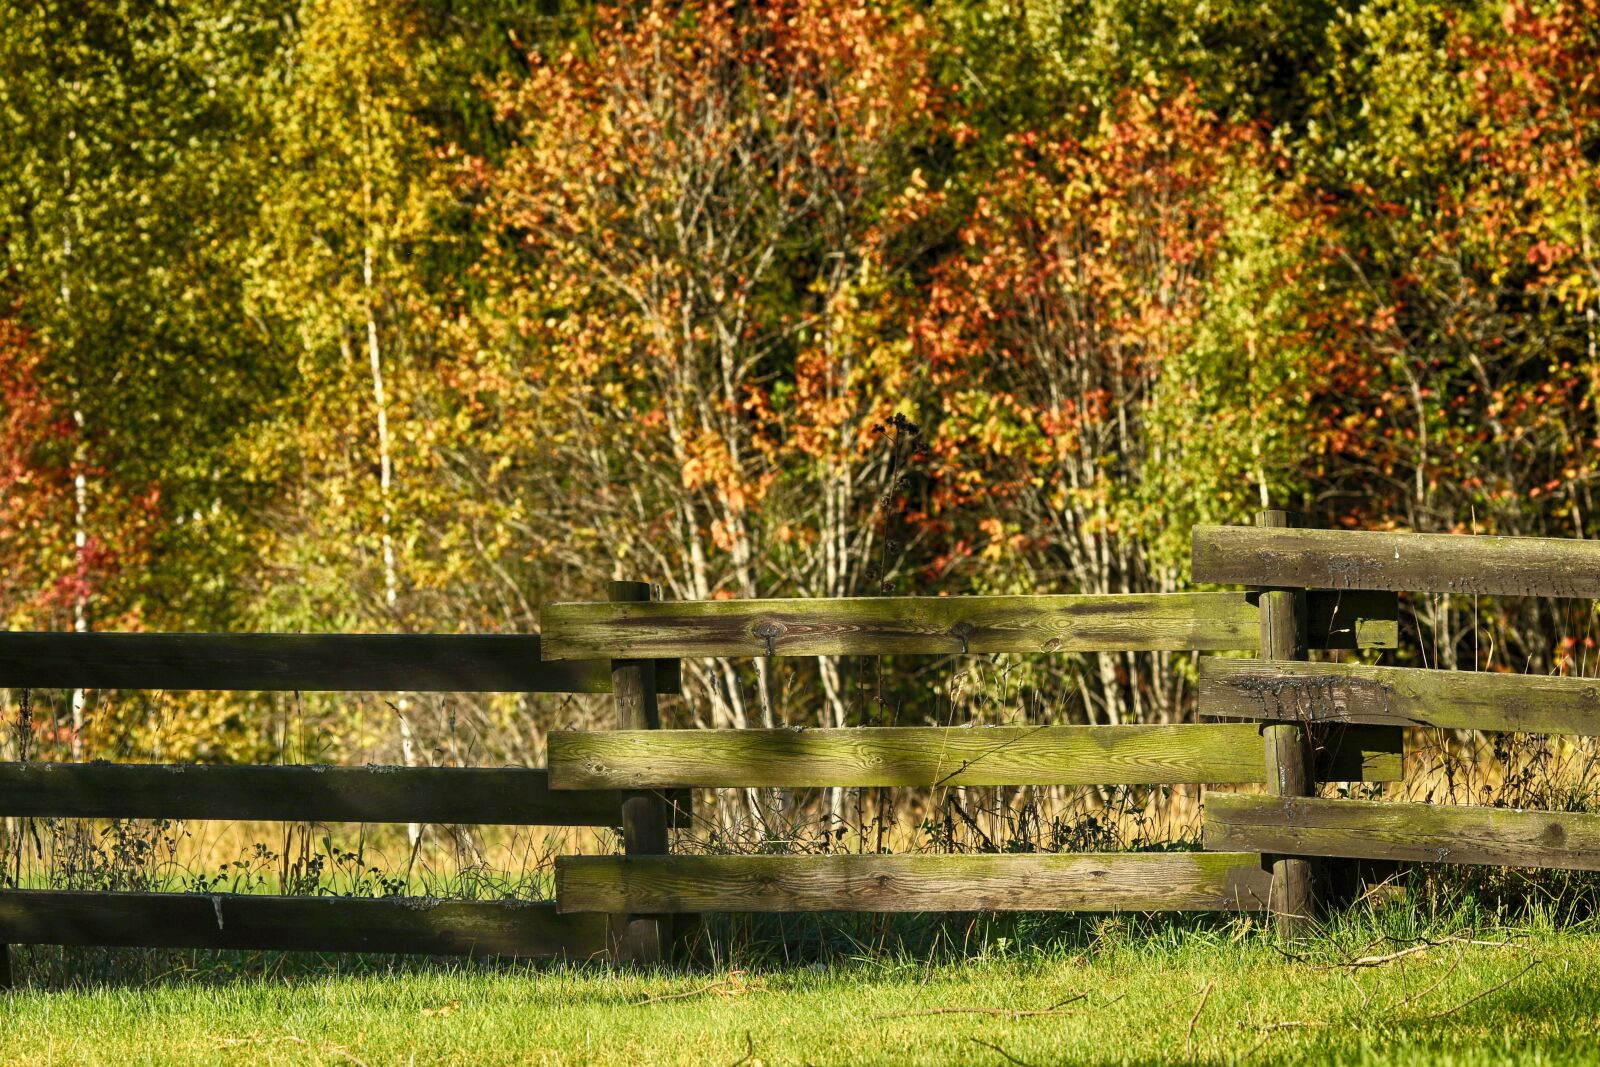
x: 907, y: 756
x: 408, y: 926
x: 1358, y: 559
x: 870, y: 626
x: 1132, y: 881
x: 509, y: 796
x: 417, y: 663
x: 1353, y: 693
x: 925, y: 756
x: 1430, y: 833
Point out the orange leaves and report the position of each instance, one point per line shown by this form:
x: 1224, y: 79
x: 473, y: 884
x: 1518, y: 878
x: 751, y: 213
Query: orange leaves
x: 35, y: 486
x: 1086, y: 265
x: 1535, y: 91
x: 711, y: 464
x: 1474, y: 279
x: 45, y: 570
x: 688, y: 226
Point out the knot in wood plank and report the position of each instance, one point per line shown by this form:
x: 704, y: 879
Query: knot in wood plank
x: 769, y: 630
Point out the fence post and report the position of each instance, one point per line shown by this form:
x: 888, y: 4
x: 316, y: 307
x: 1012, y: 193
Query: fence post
x: 639, y: 939
x: 1288, y: 748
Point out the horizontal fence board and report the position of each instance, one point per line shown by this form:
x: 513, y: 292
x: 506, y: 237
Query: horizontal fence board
x: 407, y: 926
x: 416, y: 663
x: 871, y: 626
x: 907, y: 756
x: 1352, y: 693
x: 511, y: 796
x: 1430, y: 833
x: 1131, y: 881
x: 1363, y: 559
x: 927, y: 756
x: 889, y: 625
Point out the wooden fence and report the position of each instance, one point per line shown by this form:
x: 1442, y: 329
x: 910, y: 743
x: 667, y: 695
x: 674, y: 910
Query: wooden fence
x: 307, y: 663
x: 1312, y: 722
x: 1313, y: 698
x: 652, y: 883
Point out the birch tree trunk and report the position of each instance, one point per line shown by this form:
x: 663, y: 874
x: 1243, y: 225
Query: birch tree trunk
x: 391, y: 576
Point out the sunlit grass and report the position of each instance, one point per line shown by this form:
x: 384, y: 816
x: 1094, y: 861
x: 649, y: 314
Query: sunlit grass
x: 1113, y: 992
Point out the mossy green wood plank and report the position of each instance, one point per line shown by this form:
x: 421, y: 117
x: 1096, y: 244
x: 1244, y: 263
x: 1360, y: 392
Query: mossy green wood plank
x: 1354, y: 693
x: 906, y: 756
x: 502, y: 795
x: 951, y: 625
x: 1430, y: 833
x: 1130, y: 881
x: 407, y: 926
x: 418, y: 663
x: 1360, y: 559
x: 890, y: 625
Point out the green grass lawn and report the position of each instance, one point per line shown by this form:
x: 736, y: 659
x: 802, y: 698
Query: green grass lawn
x: 1201, y: 994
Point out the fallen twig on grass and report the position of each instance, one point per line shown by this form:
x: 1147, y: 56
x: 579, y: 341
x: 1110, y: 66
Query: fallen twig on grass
x: 1413, y: 998
x: 291, y: 1039
x: 1276, y: 1028
x: 1003, y: 1052
x: 1271, y: 1029
x: 1406, y: 953
x: 749, y: 1052
x: 1290, y: 956
x: 1188, y: 1040
x: 1009, y: 1013
x: 1477, y: 996
x: 732, y: 986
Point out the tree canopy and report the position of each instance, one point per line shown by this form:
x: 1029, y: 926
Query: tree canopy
x: 349, y: 314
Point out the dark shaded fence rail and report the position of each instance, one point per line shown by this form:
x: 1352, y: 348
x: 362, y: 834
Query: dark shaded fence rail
x: 313, y: 924
x: 399, y: 663
x: 504, y: 796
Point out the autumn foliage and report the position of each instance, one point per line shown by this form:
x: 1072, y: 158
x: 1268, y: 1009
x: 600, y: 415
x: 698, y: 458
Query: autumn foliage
x: 480, y: 308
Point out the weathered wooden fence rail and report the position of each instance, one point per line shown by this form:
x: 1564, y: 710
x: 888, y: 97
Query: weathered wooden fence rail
x: 1312, y: 723
x: 1320, y: 698
x: 936, y: 756
x: 301, y: 663
x: 883, y: 626
x: 508, y: 796
x: 1126, y: 881
x: 1399, y: 562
